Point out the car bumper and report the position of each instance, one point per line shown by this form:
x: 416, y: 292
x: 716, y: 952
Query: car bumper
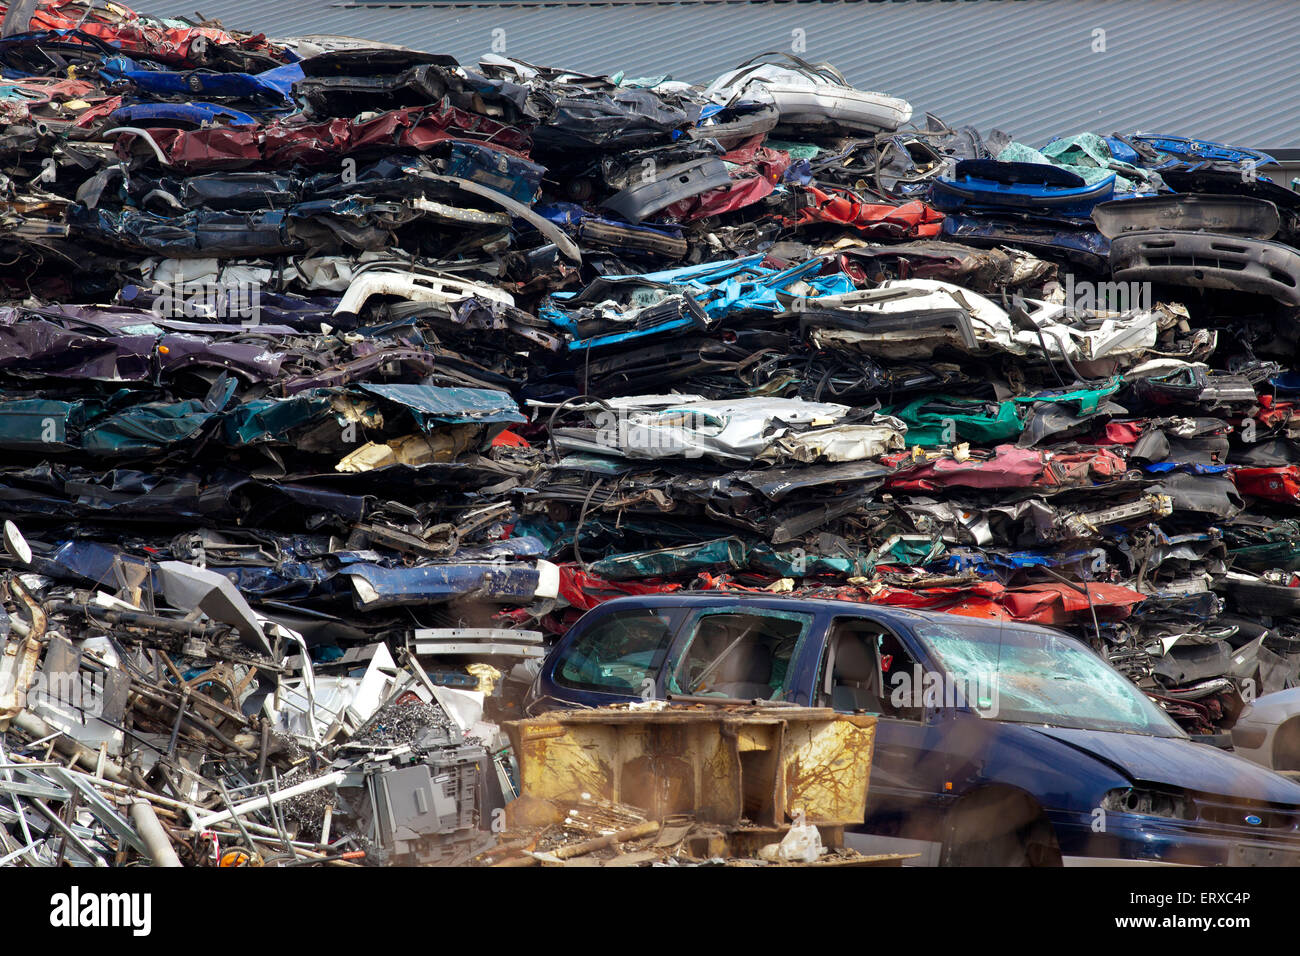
x: 1125, y: 839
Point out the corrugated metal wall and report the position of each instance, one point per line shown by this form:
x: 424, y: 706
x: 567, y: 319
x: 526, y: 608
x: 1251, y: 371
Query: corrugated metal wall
x: 1034, y: 68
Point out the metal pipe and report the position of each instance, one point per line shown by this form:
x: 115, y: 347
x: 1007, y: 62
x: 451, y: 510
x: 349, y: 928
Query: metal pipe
x: 69, y: 835
x: 29, y: 848
x: 155, y: 837
x: 261, y: 803
x: 29, y: 723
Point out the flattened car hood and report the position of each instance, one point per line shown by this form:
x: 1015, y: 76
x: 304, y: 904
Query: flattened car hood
x: 1177, y: 762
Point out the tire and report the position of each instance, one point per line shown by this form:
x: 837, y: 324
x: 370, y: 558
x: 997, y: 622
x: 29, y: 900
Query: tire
x: 1286, y: 746
x: 999, y: 829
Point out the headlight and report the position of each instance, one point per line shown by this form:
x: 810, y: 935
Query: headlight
x: 1170, y: 804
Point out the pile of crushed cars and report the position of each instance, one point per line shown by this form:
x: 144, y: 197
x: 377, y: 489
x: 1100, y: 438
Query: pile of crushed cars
x: 336, y: 380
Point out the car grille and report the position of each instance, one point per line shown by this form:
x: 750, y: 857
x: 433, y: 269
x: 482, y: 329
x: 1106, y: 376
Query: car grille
x: 1227, y: 811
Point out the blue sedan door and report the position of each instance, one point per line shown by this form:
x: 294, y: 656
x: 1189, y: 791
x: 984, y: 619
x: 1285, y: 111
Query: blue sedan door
x: 868, y: 667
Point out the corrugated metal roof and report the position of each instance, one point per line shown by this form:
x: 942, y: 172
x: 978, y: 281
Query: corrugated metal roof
x: 1198, y: 68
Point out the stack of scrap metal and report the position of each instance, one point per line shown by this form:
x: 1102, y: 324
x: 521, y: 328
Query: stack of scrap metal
x: 314, y: 357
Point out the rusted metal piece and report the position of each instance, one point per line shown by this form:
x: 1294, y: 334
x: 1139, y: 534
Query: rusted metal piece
x: 599, y: 843
x: 19, y: 656
x: 722, y: 765
x: 823, y: 769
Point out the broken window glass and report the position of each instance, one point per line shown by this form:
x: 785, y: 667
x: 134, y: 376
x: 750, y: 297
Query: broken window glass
x: 742, y: 655
x: 622, y: 654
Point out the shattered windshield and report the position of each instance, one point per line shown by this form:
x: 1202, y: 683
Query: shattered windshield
x: 1026, y: 675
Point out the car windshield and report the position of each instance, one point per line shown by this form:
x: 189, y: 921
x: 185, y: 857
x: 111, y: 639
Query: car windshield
x: 1028, y: 675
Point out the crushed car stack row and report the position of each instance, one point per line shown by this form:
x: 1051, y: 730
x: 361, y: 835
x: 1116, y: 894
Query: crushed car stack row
x: 333, y: 378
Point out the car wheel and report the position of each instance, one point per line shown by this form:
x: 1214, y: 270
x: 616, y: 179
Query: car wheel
x: 999, y: 829
x: 1286, y: 746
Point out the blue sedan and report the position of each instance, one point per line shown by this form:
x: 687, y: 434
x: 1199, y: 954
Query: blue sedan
x: 997, y: 743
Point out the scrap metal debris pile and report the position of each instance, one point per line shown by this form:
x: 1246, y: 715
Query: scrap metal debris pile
x: 333, y: 377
